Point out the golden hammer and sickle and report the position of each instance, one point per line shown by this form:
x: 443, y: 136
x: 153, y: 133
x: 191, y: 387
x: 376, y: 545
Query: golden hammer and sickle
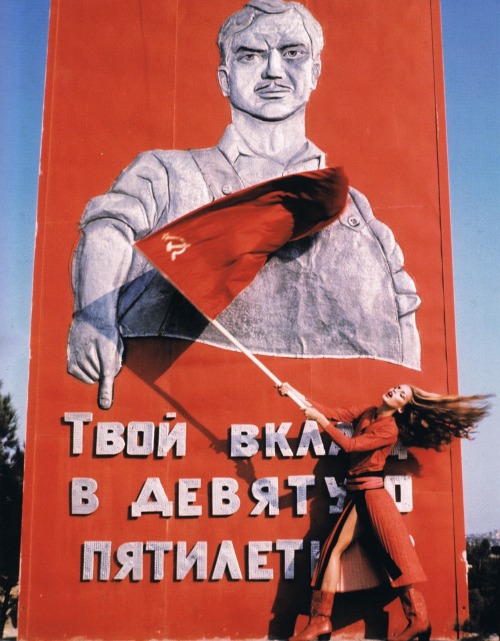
x: 174, y: 245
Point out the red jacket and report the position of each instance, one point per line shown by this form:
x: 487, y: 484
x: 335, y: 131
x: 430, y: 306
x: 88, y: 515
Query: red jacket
x: 373, y: 437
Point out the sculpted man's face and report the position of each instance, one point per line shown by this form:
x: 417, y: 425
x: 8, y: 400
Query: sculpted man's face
x: 270, y: 73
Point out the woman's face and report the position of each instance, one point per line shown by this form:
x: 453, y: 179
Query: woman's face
x: 397, y: 397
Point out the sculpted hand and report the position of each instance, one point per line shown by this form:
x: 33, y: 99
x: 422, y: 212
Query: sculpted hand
x: 95, y: 354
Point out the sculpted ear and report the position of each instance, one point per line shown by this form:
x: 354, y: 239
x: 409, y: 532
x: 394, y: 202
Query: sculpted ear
x: 223, y: 75
x: 316, y: 72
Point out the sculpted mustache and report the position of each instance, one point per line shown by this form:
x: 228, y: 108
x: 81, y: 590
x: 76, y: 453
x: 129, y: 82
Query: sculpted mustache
x: 272, y: 85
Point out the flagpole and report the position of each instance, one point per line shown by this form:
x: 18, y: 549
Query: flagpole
x: 322, y: 194
x: 294, y: 397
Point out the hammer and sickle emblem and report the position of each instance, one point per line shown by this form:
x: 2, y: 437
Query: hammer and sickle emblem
x: 174, y: 245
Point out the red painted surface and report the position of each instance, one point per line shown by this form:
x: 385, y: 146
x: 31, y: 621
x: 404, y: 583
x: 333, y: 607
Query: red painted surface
x: 128, y: 76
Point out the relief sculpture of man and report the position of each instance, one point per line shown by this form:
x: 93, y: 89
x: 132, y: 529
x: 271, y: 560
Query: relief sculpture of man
x: 342, y: 292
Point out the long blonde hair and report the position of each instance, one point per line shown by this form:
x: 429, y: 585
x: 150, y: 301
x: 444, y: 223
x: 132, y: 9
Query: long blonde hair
x: 433, y: 420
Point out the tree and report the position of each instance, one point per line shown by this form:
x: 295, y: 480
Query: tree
x: 11, y: 485
x: 484, y: 588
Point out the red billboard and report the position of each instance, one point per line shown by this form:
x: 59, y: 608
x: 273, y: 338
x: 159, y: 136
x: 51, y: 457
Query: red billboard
x: 170, y: 492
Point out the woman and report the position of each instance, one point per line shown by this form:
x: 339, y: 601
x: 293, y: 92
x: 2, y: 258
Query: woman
x: 418, y: 419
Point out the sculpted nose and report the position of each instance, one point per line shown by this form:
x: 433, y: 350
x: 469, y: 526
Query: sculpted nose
x: 274, y: 66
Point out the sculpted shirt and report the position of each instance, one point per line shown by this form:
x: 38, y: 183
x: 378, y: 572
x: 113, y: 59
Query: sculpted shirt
x: 342, y: 292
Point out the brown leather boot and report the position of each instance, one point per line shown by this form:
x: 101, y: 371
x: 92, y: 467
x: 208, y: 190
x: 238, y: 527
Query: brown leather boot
x: 416, y: 613
x: 319, y: 626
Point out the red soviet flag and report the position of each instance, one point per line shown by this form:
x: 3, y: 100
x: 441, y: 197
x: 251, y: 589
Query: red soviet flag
x: 211, y: 254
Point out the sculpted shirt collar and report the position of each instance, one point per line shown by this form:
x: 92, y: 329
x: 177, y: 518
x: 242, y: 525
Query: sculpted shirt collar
x: 253, y: 168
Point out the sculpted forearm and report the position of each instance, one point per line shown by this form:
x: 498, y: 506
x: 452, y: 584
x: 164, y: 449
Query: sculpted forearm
x: 101, y: 266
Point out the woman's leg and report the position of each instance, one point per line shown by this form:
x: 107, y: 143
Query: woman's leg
x: 320, y: 625
x: 415, y: 612
x: 350, y: 532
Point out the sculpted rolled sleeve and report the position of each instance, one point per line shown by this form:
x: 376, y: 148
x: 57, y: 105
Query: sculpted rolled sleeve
x: 138, y: 198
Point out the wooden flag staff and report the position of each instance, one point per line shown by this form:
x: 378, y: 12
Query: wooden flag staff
x: 232, y: 245
x: 291, y: 393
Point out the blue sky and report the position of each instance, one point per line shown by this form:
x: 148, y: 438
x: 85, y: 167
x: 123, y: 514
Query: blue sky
x: 471, y: 37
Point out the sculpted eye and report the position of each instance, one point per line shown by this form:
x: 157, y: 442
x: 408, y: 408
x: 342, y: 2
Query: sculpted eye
x: 248, y: 57
x: 295, y: 54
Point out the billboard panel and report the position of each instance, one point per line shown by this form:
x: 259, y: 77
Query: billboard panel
x: 171, y: 493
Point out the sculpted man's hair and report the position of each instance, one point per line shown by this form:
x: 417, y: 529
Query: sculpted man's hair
x: 242, y: 19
